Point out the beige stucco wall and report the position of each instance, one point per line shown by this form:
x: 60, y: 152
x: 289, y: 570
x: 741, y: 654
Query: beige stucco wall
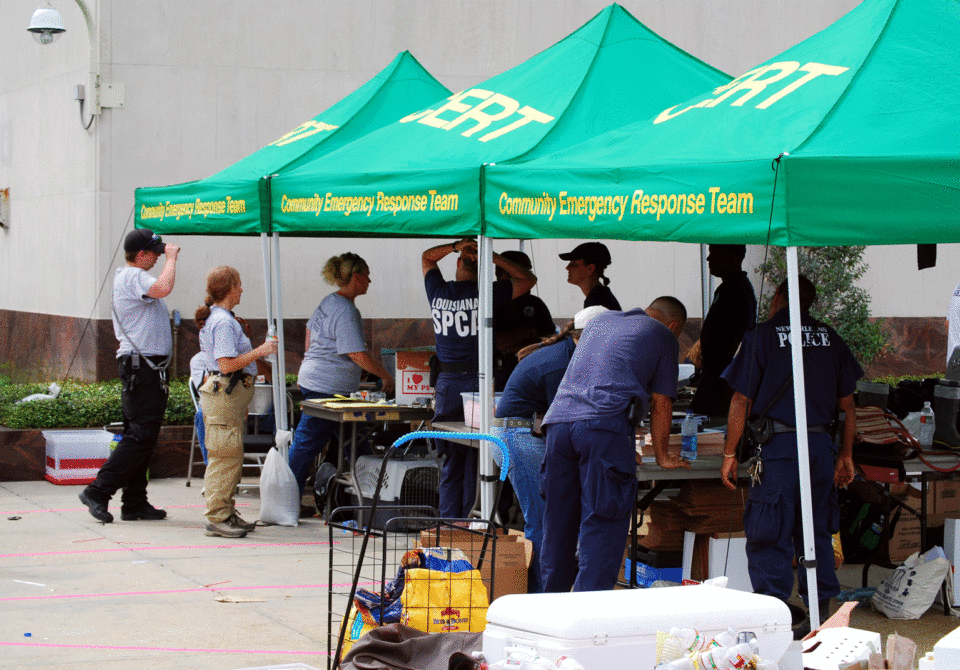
x: 209, y: 81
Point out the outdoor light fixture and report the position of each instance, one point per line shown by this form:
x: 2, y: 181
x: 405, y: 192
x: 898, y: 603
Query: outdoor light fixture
x: 46, y: 26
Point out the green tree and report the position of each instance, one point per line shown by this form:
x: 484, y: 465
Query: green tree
x: 840, y: 302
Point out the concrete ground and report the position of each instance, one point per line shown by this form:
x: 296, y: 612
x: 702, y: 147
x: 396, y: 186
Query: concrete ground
x: 160, y: 594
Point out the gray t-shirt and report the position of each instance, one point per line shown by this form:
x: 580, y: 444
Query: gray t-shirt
x: 223, y: 337
x: 336, y: 329
x: 145, y: 320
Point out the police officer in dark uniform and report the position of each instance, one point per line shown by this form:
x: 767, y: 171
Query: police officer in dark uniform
x: 761, y: 377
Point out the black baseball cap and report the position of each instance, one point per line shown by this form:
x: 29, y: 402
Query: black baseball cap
x: 143, y: 239
x: 591, y: 253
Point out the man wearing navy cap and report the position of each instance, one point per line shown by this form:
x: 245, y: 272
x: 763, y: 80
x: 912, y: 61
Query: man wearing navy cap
x: 585, y: 269
x: 141, y: 323
x: 761, y: 376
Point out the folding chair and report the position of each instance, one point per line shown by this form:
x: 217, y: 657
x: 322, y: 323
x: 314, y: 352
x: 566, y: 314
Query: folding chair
x: 197, y: 437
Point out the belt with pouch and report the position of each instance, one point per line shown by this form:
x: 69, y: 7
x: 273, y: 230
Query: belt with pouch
x: 513, y: 423
x: 784, y: 428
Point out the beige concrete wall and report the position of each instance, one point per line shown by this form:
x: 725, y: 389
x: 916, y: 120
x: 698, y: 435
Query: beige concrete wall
x: 210, y: 81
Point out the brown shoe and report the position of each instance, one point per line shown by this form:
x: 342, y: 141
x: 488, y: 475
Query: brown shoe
x: 224, y: 529
x: 237, y: 522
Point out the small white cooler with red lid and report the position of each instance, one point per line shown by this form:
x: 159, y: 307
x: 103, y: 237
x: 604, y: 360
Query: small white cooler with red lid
x: 612, y: 630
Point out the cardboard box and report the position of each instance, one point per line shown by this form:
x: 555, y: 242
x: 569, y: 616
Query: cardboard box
x: 951, y: 548
x: 513, y: 555
x: 905, y: 538
x: 412, y: 375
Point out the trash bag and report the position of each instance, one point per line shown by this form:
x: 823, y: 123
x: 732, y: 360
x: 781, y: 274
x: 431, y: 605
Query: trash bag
x: 279, y: 492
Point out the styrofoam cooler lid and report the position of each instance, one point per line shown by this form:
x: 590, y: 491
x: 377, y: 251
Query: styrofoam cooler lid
x: 90, y: 443
x: 580, y: 616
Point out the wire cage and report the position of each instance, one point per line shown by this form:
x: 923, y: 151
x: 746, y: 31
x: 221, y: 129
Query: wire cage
x: 411, y: 571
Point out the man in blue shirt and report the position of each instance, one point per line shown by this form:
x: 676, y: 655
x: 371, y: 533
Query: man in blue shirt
x: 454, y: 308
x: 589, y: 475
x: 761, y: 376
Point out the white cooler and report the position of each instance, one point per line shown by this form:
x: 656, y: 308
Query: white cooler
x: 612, y: 630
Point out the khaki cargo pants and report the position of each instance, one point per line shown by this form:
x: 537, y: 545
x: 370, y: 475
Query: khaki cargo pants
x: 223, y: 418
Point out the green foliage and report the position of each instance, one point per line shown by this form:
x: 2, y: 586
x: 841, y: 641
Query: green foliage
x: 840, y: 302
x: 81, y: 405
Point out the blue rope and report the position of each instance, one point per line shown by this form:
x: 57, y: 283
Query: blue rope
x: 444, y: 435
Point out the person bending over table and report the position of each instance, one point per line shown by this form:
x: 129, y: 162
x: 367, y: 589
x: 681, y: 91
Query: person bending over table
x: 589, y: 474
x: 761, y: 377
x: 454, y: 306
x: 227, y: 389
x: 528, y: 393
x: 335, y: 355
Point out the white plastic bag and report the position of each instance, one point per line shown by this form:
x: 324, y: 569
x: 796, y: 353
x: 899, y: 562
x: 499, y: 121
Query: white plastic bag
x: 910, y: 590
x: 279, y: 493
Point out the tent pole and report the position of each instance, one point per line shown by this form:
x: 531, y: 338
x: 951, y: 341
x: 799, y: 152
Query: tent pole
x: 485, y: 262
x: 280, y: 369
x: 803, y: 446
x: 706, y: 296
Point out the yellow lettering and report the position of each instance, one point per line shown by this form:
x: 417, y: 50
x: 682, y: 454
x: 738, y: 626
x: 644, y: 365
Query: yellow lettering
x: 303, y: 130
x: 508, y: 107
x: 814, y: 70
x: 745, y: 203
x: 752, y: 84
x: 701, y: 201
x: 636, y: 202
x: 713, y: 198
x: 456, y: 104
x: 527, y: 115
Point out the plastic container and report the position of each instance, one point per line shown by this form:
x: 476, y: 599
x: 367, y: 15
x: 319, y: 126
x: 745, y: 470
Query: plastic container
x: 75, y: 456
x: 688, y: 437
x: 471, y: 407
x: 618, y: 628
x: 928, y: 426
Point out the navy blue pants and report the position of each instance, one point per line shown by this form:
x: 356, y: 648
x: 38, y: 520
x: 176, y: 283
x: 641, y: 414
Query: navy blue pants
x: 458, y: 475
x: 589, y: 483
x: 773, y: 524
x: 310, y: 438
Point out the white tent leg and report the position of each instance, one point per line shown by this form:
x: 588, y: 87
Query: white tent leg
x: 706, y: 293
x: 485, y: 263
x: 280, y: 369
x: 803, y: 447
x: 268, y: 294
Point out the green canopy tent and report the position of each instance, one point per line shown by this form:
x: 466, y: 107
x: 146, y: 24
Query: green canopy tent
x: 236, y: 200
x: 849, y: 137
x: 422, y: 176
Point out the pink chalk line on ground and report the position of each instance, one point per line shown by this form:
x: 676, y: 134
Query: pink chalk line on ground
x: 204, y: 589
x: 195, y: 651
x: 84, y: 509
x: 194, y: 546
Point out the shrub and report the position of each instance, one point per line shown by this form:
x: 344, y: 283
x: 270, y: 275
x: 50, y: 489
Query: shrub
x: 81, y: 405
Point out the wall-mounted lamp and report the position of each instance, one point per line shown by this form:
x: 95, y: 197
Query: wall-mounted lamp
x: 46, y: 26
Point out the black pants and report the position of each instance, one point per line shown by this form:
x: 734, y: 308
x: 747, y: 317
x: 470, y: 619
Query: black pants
x: 144, y: 401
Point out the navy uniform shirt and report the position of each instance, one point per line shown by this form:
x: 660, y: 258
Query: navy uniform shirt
x: 603, y: 296
x: 620, y: 356
x: 455, y: 308
x: 763, y: 365
x: 534, y: 382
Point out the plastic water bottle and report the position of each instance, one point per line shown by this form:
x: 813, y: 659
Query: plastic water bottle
x: 688, y: 435
x: 928, y: 426
x: 271, y: 358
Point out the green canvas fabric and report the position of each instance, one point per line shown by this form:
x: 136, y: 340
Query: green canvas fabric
x: 421, y: 176
x: 235, y: 201
x: 864, y: 115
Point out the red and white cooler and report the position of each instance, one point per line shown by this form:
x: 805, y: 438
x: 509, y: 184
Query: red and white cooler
x: 612, y: 630
x: 75, y: 456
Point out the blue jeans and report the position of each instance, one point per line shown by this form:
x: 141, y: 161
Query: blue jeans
x: 310, y: 438
x: 526, y: 460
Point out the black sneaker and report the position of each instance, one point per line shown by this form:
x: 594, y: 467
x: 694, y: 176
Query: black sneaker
x: 144, y: 512
x: 97, y: 509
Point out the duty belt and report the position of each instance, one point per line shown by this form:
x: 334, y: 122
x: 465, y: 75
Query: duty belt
x: 513, y: 423
x: 784, y: 428
x: 459, y: 367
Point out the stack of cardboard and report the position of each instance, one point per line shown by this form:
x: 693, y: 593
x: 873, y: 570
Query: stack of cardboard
x: 661, y: 529
x: 513, y: 554
x: 707, y: 506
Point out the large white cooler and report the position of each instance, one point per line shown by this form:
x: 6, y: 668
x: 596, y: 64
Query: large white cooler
x: 75, y: 456
x: 612, y: 630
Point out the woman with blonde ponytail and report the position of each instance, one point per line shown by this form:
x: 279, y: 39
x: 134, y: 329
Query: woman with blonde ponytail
x: 335, y: 355
x: 230, y: 363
